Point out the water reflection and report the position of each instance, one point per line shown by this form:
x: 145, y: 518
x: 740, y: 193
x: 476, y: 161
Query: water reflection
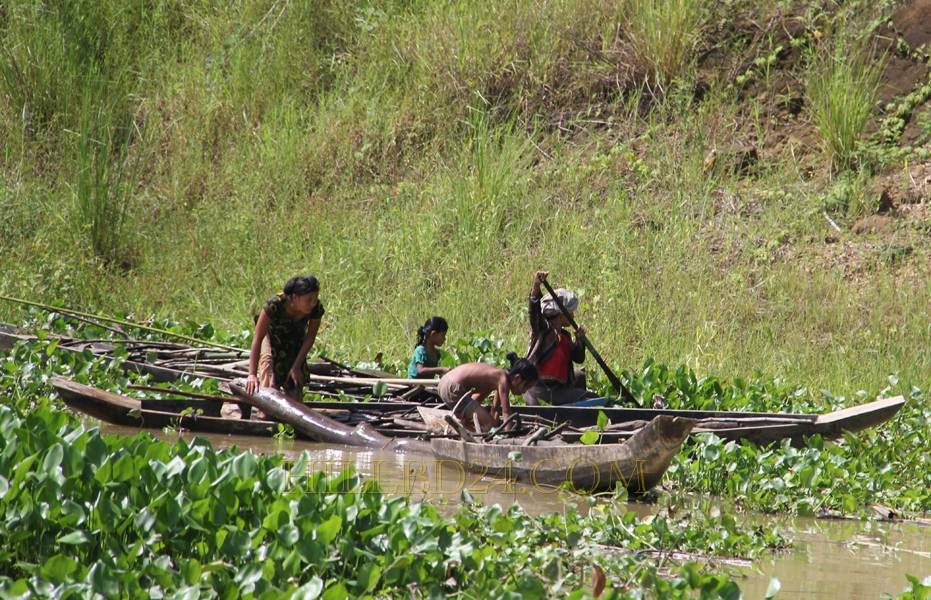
x: 844, y: 559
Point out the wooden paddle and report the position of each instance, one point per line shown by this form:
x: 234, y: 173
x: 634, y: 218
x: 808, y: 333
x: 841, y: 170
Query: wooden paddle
x: 614, y: 379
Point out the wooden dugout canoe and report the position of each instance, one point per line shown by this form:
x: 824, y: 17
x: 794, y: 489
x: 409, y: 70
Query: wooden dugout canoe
x: 637, y: 463
x: 756, y: 427
x: 160, y: 361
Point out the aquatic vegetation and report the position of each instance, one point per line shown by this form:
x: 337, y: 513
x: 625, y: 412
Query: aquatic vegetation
x: 917, y: 589
x: 115, y: 515
x: 84, y: 513
x: 889, y: 466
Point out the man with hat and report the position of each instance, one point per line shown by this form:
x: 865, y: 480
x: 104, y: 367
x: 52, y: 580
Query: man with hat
x: 552, y: 349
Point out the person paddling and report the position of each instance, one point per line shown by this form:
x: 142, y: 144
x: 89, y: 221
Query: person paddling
x: 284, y: 332
x: 552, y: 349
x: 463, y: 389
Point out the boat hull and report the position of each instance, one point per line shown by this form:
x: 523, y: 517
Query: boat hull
x: 637, y: 463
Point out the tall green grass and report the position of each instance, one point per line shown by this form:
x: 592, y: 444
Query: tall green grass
x: 843, y: 80
x: 663, y: 34
x: 106, y: 178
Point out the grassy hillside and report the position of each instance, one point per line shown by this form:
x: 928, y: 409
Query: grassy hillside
x: 735, y: 187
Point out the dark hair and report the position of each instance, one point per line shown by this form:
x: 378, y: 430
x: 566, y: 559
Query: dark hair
x: 432, y: 324
x: 523, y: 367
x: 302, y: 284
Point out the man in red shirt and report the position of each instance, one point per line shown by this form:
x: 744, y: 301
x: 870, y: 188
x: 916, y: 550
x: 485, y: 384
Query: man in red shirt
x: 552, y: 349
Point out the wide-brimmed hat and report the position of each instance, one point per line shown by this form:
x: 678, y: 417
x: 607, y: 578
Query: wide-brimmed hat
x: 568, y: 298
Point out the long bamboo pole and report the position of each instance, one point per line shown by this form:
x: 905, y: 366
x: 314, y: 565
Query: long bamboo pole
x: 76, y: 313
x: 389, y: 381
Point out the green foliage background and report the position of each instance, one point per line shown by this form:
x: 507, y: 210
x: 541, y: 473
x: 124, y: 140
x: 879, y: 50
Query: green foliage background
x: 184, y: 159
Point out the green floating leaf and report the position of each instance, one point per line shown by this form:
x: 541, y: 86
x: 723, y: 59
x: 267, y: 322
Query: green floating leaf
x: 191, y: 570
x: 59, y: 567
x: 74, y: 538
x: 309, y: 591
x: 144, y: 520
x: 17, y: 589
x: 237, y: 544
x: 336, y: 592
x: 329, y: 529
x: 288, y: 535
x: 277, y: 480
x: 590, y: 438
x: 53, y: 458
x: 124, y: 469
x: 603, y: 420
x: 244, y: 465
x: 102, y: 580
x: 369, y: 576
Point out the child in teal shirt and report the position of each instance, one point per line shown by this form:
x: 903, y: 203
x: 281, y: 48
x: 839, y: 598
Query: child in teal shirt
x: 425, y: 363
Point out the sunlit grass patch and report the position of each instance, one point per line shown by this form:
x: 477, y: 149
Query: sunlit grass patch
x: 664, y: 34
x: 842, y: 83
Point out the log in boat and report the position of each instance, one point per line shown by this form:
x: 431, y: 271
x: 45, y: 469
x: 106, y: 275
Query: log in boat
x: 637, y: 463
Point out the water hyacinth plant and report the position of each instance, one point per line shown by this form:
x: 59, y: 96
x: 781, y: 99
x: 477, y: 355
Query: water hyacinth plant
x: 87, y: 514
x: 126, y: 516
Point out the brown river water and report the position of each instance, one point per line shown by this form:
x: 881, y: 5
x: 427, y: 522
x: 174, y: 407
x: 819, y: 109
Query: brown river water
x: 829, y: 559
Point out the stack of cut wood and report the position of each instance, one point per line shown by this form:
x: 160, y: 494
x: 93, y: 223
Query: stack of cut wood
x: 172, y: 361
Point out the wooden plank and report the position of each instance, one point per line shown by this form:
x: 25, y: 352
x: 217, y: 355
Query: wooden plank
x: 869, y: 414
x: 373, y: 407
x: 581, y: 416
x: 389, y: 381
x: 9, y: 336
x: 120, y: 410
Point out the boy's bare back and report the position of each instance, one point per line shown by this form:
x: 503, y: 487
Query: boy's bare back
x: 481, y: 377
